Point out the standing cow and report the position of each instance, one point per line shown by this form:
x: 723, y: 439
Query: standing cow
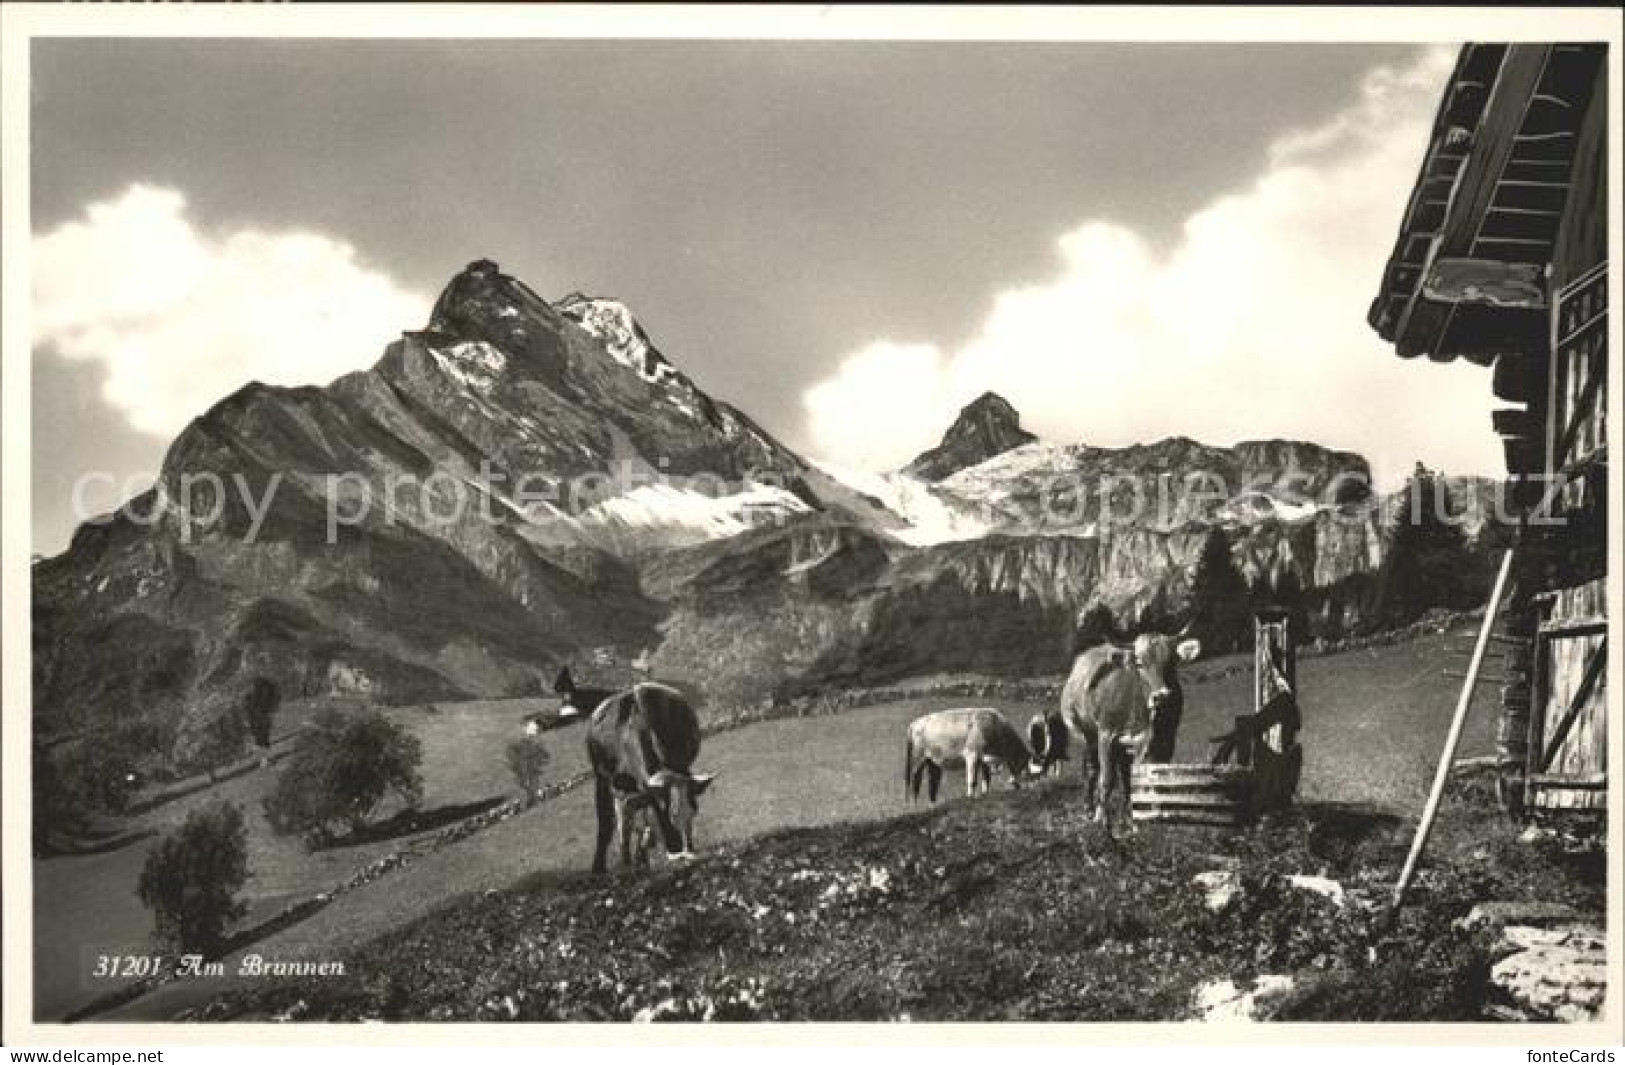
x: 1124, y: 703
x: 641, y: 745
x: 975, y: 738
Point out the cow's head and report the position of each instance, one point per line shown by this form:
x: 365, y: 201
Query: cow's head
x: 1156, y: 657
x: 674, y: 799
x: 1047, y: 739
x: 1037, y: 741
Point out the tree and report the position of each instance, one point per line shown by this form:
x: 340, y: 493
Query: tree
x: 1294, y: 599
x: 342, y: 767
x: 223, y: 741
x: 1220, y: 597
x: 1428, y: 563
x: 526, y: 759
x: 191, y: 879
x: 260, y: 707
x: 1159, y: 613
x: 60, y: 804
x: 1096, y: 625
x: 1284, y: 592
x: 100, y: 771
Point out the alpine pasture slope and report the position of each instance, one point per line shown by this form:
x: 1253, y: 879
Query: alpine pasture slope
x: 1373, y: 720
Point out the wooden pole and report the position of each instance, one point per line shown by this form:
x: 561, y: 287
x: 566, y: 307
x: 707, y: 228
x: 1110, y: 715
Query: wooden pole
x: 1452, y: 738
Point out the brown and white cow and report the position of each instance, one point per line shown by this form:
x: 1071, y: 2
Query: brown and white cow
x: 1124, y: 703
x: 641, y: 744
x: 973, y: 737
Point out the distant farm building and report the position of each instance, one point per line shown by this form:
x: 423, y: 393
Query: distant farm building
x: 1502, y: 259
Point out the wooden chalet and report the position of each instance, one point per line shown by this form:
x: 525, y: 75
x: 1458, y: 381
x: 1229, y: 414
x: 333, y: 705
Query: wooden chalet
x: 1502, y: 260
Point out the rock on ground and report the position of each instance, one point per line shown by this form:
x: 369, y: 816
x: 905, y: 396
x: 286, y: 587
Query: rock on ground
x: 1494, y: 916
x: 1223, y: 1001
x: 1557, y: 973
x: 1320, y: 885
x: 1222, y: 887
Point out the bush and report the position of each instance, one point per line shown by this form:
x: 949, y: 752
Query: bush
x: 223, y: 741
x: 526, y: 759
x: 192, y: 877
x: 341, y: 769
x: 259, y: 710
x: 103, y: 775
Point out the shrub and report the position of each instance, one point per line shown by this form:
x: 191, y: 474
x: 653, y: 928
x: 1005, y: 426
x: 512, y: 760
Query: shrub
x: 192, y: 877
x: 526, y: 759
x: 341, y: 769
x: 222, y: 742
x: 259, y: 710
x: 100, y: 773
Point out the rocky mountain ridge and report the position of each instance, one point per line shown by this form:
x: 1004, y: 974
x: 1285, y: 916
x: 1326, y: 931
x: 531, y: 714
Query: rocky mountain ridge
x: 522, y: 484
x: 441, y: 524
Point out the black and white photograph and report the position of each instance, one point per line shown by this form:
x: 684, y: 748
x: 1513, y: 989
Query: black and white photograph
x: 592, y: 516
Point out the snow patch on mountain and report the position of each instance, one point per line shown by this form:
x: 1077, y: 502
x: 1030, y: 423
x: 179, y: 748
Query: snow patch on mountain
x: 985, y: 480
x: 928, y: 516
x: 669, y: 508
x: 1258, y: 506
x: 474, y: 363
x: 612, y: 322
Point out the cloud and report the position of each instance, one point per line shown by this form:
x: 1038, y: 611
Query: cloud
x: 179, y: 317
x: 1252, y: 325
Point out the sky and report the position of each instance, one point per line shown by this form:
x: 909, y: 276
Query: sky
x: 848, y: 240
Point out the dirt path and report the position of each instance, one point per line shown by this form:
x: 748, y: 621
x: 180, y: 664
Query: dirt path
x: 1374, y: 721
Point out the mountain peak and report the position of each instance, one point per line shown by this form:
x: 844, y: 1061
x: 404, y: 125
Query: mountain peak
x: 990, y: 403
x: 484, y: 305
x: 986, y: 426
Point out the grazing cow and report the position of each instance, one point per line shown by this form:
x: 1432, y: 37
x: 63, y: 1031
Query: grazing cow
x: 1049, y: 739
x: 975, y: 738
x: 1124, y: 703
x: 641, y: 745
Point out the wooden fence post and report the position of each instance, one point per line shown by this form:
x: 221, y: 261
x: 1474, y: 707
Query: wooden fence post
x: 1278, y: 758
